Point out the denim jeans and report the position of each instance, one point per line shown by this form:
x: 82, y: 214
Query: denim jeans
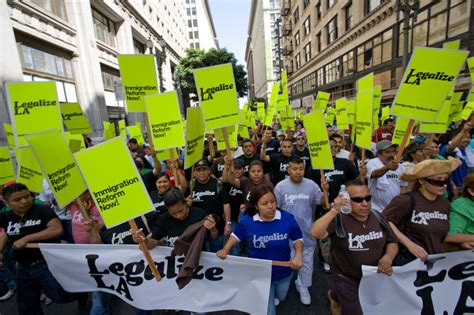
x: 99, y: 303
x: 7, y: 268
x: 278, y: 289
x: 30, y: 281
x: 213, y: 245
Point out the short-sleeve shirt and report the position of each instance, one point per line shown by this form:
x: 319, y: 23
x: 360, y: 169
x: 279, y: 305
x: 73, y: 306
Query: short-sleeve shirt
x: 344, y: 170
x: 299, y: 199
x: 246, y: 186
x: 79, y: 233
x: 461, y: 219
x: 158, y: 202
x: 246, y: 161
x: 385, y: 187
x: 279, y: 167
x: 121, y: 234
x: 236, y: 198
x: 304, y: 155
x: 211, y: 197
x: 167, y: 229
x: 364, y: 244
x: 270, y: 239
x: 33, y: 221
x: 429, y: 223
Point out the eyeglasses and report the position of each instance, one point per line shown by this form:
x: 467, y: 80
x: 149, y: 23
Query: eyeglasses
x: 360, y: 199
x: 437, y: 182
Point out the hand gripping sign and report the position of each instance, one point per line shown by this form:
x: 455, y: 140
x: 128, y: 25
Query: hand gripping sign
x: 116, y: 186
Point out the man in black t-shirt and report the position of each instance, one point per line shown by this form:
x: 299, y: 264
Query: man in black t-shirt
x: 279, y: 162
x: 248, y: 156
x: 301, y: 150
x: 210, y: 195
x: 29, y: 223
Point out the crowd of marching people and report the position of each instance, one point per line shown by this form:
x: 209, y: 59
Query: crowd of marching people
x: 264, y: 200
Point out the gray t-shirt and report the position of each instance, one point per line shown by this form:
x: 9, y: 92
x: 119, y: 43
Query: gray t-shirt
x: 299, y: 199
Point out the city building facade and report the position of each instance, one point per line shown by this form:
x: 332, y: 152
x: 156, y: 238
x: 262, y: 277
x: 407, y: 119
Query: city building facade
x: 200, y: 26
x: 329, y: 44
x: 76, y: 44
x: 263, y: 47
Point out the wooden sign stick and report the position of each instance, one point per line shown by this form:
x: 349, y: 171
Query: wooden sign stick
x: 146, y: 252
x: 407, y: 133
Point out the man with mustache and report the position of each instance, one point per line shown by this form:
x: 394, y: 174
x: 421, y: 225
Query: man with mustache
x: 383, y: 175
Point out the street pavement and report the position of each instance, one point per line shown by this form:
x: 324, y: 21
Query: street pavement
x: 291, y: 305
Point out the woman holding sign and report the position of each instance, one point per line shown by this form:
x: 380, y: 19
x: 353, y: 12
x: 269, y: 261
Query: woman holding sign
x: 269, y: 231
x: 420, y: 218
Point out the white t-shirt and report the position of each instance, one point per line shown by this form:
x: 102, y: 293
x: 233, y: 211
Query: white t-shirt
x: 343, y: 154
x: 384, y: 188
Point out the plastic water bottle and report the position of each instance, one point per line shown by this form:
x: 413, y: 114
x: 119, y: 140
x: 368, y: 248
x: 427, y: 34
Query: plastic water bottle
x: 346, y: 208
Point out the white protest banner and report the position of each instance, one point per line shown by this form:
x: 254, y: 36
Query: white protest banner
x: 443, y: 285
x: 217, y: 284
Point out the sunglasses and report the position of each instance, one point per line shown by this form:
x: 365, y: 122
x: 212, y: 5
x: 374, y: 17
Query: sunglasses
x: 360, y: 199
x: 437, y: 182
x: 299, y: 138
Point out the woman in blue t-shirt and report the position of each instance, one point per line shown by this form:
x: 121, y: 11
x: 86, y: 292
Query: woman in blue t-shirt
x: 268, y: 231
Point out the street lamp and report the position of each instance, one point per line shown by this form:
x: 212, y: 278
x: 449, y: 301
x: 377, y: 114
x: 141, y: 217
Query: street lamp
x: 160, y: 57
x: 406, y: 6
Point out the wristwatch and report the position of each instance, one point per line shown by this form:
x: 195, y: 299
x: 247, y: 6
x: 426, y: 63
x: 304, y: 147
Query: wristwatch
x: 229, y: 222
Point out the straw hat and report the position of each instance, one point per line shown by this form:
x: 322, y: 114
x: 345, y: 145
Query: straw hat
x: 428, y: 168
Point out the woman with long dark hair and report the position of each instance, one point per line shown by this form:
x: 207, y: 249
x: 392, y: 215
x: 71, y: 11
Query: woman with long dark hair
x: 269, y: 231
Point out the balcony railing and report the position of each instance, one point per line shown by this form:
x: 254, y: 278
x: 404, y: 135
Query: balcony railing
x: 287, y: 29
x: 285, y: 8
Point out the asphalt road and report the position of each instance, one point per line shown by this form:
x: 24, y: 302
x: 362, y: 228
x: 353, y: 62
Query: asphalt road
x: 291, y: 305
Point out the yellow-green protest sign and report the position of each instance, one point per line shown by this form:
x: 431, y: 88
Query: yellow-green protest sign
x: 58, y: 166
x: 261, y: 110
x: 318, y: 142
x: 365, y: 83
x: 231, y: 134
x: 455, y: 44
x: 470, y: 65
x: 165, y: 120
x: 427, y: 81
x: 218, y: 95
x: 376, y: 104
x: 284, y: 87
x: 385, y: 113
x: 400, y: 128
x: 135, y: 132
x: 165, y: 155
x: 287, y: 120
x: 109, y: 130
x: 351, y: 111
x: 456, y: 108
x: 29, y: 172
x: 10, y: 136
x: 74, y: 118
x: 194, y: 136
x: 321, y: 101
x: 122, y: 128
x: 330, y: 115
x: 75, y: 142
x: 441, y: 123
x: 341, y: 114
x: 33, y: 108
x: 119, y: 195
x: 364, y: 119
x: 281, y: 103
x: 274, y: 96
x: 467, y: 111
x: 138, y: 80
x: 7, y: 172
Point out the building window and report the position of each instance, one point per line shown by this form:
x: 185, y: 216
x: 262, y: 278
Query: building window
x: 307, y: 26
x: 104, y: 28
x: 296, y: 15
x: 297, y: 39
x: 318, y: 42
x: 298, y: 61
x: 56, y: 7
x: 332, y: 71
x: 196, y: 45
x: 46, y: 63
x: 190, y: 23
x: 195, y: 23
x: 305, y: 3
x: 348, y: 13
x: 274, y: 3
x: 348, y: 63
x: 318, y: 11
x: 138, y: 47
x: 307, y: 52
x: 190, y: 35
x: 370, y: 5
x: 188, y: 11
x: 331, y: 30
x: 196, y: 34
x: 193, y: 11
x: 330, y: 3
x: 109, y: 76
